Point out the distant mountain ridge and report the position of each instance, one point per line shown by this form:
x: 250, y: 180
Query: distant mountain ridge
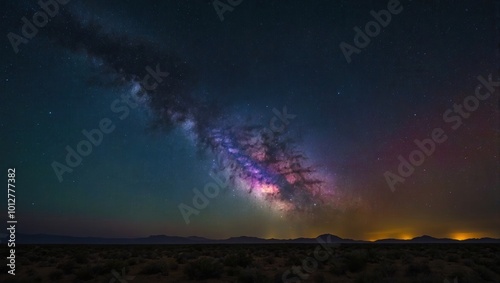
x: 163, y: 239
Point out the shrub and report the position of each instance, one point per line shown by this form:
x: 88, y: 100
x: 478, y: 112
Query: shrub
x: 293, y: 260
x: 407, y: 258
x: 485, y: 273
x: 85, y: 273
x: 34, y: 258
x: 453, y: 258
x: 67, y: 267
x: 4, y: 269
x: 373, y: 255
x: 468, y: 262
x: 319, y: 278
x: 233, y: 271
x: 394, y: 254
x: 338, y: 268
x: 30, y: 272
x: 367, y: 277
x: 173, y: 266
x: 203, y: 268
x: 132, y: 261
x: 55, y: 275
x: 239, y: 259
x: 252, y: 276
x: 269, y: 260
x: 356, y: 261
x: 113, y: 265
x: 52, y: 261
x: 155, y: 268
x: 387, y: 270
x: 417, y: 268
x: 81, y: 258
x: 43, y: 264
x: 186, y: 256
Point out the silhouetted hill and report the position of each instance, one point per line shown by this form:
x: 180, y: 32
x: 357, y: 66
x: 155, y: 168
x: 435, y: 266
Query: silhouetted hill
x: 390, y: 241
x: 198, y: 239
x: 428, y: 239
x: 329, y: 238
x: 483, y: 241
x: 244, y: 240
x: 163, y: 239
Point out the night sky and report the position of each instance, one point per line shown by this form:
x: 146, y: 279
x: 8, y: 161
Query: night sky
x: 262, y: 98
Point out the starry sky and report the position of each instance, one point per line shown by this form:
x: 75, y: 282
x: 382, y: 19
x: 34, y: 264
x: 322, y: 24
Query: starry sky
x: 262, y: 98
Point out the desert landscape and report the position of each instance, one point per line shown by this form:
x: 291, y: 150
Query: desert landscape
x: 255, y: 263
x: 246, y: 141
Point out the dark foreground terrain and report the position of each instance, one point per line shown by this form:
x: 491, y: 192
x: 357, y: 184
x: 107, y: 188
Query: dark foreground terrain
x: 256, y: 263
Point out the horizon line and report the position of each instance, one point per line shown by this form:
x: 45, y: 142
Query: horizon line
x: 256, y: 237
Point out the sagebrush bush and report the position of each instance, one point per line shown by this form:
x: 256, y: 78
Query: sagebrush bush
x: 417, y: 268
x: 357, y: 260
x: 55, y: 275
x: 85, y: 273
x: 252, y: 276
x: 203, y: 268
x: 67, y: 267
x: 239, y: 259
x: 155, y: 268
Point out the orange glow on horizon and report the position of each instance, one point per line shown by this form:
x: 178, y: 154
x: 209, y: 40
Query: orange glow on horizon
x: 401, y: 234
x: 406, y: 237
x: 464, y: 235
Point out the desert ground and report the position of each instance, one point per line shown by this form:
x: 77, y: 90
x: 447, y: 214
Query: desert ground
x: 363, y: 263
